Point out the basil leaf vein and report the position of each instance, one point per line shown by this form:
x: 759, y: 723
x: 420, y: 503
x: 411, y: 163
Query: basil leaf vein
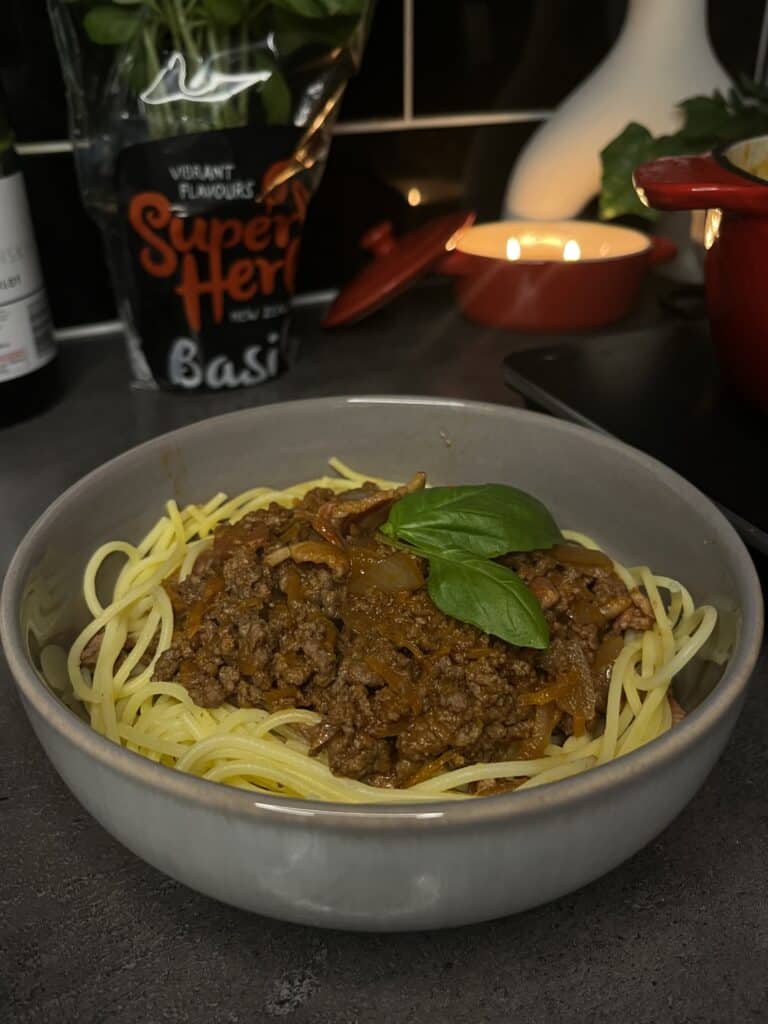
x: 489, y: 596
x: 487, y: 520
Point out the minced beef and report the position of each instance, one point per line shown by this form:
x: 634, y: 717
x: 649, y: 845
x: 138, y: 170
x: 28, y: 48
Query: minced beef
x: 305, y: 607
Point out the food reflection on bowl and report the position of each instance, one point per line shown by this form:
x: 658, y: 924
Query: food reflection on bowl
x: 383, y: 865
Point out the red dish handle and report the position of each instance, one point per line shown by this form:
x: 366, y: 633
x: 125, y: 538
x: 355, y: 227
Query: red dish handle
x: 662, y: 250
x: 698, y: 183
x: 380, y: 239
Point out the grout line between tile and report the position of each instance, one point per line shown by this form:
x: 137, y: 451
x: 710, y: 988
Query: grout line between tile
x: 475, y: 119
x: 762, y: 46
x: 45, y: 148
x: 408, y: 60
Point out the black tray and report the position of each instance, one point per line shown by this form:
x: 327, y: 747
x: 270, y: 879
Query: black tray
x: 658, y: 389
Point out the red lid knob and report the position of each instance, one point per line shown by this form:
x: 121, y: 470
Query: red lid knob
x: 380, y: 239
x: 396, y: 264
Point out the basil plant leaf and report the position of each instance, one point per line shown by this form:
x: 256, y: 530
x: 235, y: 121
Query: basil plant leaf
x: 489, y: 596
x: 487, y: 520
x: 321, y: 8
x: 225, y: 12
x: 275, y: 92
x: 111, y: 26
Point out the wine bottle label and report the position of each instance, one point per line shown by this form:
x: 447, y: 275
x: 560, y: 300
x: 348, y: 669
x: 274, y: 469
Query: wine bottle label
x: 26, y: 332
x: 210, y: 227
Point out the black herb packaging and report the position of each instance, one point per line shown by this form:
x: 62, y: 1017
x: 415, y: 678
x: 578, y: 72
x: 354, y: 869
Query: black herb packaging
x: 201, y: 130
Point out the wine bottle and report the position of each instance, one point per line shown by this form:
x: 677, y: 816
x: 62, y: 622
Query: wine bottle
x: 28, y: 358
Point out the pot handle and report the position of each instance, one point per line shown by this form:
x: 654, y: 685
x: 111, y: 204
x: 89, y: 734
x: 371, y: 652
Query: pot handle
x: 380, y: 239
x: 698, y: 183
x: 662, y: 250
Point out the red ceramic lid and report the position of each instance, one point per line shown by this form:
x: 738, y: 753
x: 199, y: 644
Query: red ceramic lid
x: 397, y: 263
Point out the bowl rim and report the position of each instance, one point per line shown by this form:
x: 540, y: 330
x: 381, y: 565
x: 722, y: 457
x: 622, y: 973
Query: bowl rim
x: 266, y: 809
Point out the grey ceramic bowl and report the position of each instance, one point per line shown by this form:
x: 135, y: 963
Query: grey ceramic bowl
x: 373, y: 867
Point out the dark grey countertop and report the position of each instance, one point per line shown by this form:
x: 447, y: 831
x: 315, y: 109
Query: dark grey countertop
x: 88, y: 933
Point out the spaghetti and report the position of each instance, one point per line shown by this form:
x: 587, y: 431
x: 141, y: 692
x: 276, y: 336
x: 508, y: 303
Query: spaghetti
x: 266, y: 752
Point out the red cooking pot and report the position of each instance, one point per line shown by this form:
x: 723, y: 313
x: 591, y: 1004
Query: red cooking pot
x: 550, y: 275
x: 732, y: 185
x: 522, y: 275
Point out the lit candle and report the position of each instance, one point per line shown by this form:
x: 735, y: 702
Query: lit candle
x: 557, y: 241
x: 571, y: 250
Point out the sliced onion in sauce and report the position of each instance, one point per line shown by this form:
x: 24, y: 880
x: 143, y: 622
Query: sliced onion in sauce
x: 607, y: 653
x: 572, y: 554
x: 293, y: 588
x: 587, y: 613
x: 396, y: 571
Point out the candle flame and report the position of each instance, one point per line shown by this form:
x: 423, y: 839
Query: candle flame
x: 571, y: 250
x: 414, y: 196
x: 513, y: 249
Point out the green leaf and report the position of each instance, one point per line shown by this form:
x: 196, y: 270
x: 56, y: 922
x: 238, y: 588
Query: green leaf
x: 137, y: 72
x: 276, y: 95
x: 111, y: 26
x: 715, y: 120
x: 706, y: 117
x: 486, y: 519
x: 707, y: 122
x: 225, y: 12
x: 489, y: 596
x: 292, y: 32
x: 460, y: 529
x: 321, y: 8
x: 620, y: 158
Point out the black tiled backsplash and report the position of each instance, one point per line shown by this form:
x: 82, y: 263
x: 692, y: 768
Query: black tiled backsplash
x: 377, y: 89
x: 70, y: 244
x: 525, y: 54
x: 29, y: 71
x: 470, y: 55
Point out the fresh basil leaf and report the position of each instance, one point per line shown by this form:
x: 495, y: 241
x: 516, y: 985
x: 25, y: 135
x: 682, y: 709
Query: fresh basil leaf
x: 710, y: 121
x: 707, y: 122
x: 485, y: 519
x: 305, y: 8
x: 225, y: 12
x: 111, y: 26
x: 293, y: 33
x: 275, y: 93
x: 321, y: 8
x: 489, y: 596
x: 706, y: 117
x: 620, y: 158
x: 137, y: 71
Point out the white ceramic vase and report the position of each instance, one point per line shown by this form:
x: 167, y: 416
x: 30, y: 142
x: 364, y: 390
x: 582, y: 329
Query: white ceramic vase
x: 662, y: 56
